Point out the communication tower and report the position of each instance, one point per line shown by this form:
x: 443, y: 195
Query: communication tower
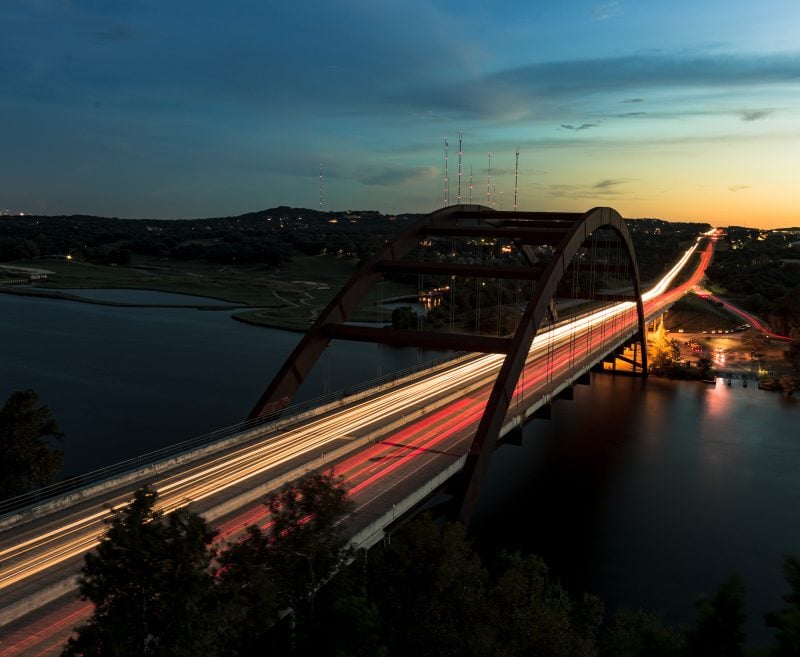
x: 460, y: 134
x: 320, y: 186
x: 470, y: 184
x: 489, y: 183
x: 446, y: 182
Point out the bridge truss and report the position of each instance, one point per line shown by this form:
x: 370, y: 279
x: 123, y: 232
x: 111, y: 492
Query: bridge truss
x: 539, y: 265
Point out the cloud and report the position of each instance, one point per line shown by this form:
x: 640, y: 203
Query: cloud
x: 631, y: 114
x: 754, y: 115
x: 605, y: 11
x: 738, y: 188
x: 608, y: 183
x: 581, y: 77
x: 542, y: 90
x: 602, y: 189
x: 398, y: 175
x: 582, y: 126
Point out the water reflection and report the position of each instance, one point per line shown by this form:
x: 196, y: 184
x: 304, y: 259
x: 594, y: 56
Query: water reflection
x: 651, y: 496
x: 125, y: 381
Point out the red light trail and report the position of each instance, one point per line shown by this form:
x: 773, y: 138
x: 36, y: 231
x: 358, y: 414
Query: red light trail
x: 445, y: 432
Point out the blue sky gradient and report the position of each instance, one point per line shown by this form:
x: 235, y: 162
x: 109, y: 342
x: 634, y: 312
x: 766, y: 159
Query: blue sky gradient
x: 144, y: 108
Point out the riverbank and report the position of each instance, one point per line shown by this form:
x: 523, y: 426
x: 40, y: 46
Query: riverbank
x: 288, y: 299
x: 735, y: 348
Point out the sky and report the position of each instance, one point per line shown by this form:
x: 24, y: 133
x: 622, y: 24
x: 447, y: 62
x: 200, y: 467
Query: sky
x: 681, y: 110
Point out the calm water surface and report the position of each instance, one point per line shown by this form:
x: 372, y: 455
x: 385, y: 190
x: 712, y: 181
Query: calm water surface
x: 125, y: 381
x: 648, y: 496
x: 148, y: 297
x: 652, y: 495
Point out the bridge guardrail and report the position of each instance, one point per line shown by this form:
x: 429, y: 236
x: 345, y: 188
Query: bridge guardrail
x: 72, y: 484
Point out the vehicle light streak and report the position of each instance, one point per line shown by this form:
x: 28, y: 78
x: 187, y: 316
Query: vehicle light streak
x: 754, y: 321
x: 428, y: 440
x: 440, y: 423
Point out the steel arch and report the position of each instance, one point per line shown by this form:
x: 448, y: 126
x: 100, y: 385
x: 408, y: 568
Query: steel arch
x: 483, y: 443
x: 566, y: 232
x: 310, y: 348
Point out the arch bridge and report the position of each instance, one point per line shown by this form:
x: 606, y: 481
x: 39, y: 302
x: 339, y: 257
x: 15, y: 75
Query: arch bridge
x: 546, y: 266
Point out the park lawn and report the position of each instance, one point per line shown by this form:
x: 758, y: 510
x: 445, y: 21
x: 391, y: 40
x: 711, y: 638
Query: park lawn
x: 693, y: 314
x: 290, y: 297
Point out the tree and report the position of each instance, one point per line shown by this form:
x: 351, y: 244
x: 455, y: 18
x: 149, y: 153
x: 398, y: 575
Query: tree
x: 534, y: 615
x: 27, y: 459
x: 704, y: 366
x: 308, y: 545
x: 663, y: 351
x: 789, y: 384
x: 347, y: 622
x: 284, y: 566
x: 431, y: 590
x: 787, y: 621
x: 161, y: 587
x: 404, y: 318
x: 792, y: 354
x: 151, y: 582
x: 719, y: 623
x: 436, y: 598
x: 639, y: 634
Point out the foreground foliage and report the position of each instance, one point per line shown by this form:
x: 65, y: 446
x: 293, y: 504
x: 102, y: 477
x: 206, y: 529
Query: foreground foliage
x: 761, y: 272
x: 27, y: 460
x: 151, y: 583
x: 161, y: 587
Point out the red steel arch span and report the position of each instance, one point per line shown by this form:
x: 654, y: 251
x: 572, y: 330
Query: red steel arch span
x: 564, y: 232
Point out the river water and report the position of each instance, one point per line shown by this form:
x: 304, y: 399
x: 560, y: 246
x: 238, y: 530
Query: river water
x: 648, y: 494
x: 125, y: 381
x: 651, y: 493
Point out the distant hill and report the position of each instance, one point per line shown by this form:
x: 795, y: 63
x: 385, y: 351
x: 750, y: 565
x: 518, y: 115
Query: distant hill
x: 267, y: 237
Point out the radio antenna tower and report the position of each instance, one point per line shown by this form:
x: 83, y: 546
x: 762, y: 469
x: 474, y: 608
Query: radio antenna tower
x: 489, y: 183
x: 460, y: 134
x: 320, y: 186
x: 516, y: 177
x: 470, y: 184
x: 446, y: 182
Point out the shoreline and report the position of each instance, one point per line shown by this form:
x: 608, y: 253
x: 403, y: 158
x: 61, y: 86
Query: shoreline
x: 228, y: 306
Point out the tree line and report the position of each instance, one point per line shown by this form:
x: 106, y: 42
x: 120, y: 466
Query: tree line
x: 758, y: 271
x: 165, y: 584
x: 162, y: 585
x: 267, y: 237
x: 28, y: 456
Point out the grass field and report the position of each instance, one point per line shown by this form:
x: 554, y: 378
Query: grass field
x: 290, y: 298
x: 695, y: 319
x: 694, y: 314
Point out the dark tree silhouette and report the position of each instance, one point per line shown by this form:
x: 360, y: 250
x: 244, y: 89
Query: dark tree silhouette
x: 285, y: 565
x: 152, y: 586
x: 27, y: 460
x: 719, y: 623
x: 787, y: 621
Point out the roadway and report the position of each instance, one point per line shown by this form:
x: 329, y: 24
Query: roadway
x: 754, y: 321
x: 384, y: 446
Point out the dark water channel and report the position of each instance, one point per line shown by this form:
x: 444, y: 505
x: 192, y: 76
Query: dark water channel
x: 125, y: 381
x: 648, y: 496
x: 652, y: 495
